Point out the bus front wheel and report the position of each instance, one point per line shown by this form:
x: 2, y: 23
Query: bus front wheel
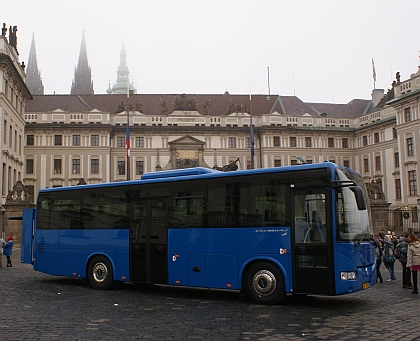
x: 265, y: 283
x: 100, y: 273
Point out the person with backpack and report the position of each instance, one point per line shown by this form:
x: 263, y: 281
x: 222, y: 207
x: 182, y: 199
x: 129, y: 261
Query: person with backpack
x: 402, y: 249
x: 389, y: 258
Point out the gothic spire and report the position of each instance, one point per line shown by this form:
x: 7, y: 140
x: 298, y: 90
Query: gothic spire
x: 33, y: 75
x: 82, y: 83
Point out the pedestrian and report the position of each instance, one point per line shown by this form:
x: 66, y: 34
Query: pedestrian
x: 389, y: 258
x: 378, y: 249
x: 381, y: 234
x: 406, y: 272
x: 413, y: 261
x: 8, y: 250
x: 2, y: 245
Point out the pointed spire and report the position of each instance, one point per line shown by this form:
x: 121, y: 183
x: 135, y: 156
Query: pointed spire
x: 82, y: 82
x: 123, y: 76
x: 33, y: 75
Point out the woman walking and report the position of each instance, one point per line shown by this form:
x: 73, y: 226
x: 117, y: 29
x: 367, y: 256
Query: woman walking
x: 413, y: 260
x: 8, y: 250
x: 389, y: 258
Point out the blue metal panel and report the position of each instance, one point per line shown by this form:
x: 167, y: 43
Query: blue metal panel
x: 67, y: 252
x: 359, y: 258
x: 69, y: 262
x: 223, y: 253
x: 46, y: 251
x: 177, y: 268
x: 122, y: 270
x: 196, y: 269
x: 222, y: 270
x: 27, y: 233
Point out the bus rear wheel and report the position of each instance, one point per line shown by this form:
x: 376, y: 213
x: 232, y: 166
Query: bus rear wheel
x: 100, y: 273
x: 264, y: 283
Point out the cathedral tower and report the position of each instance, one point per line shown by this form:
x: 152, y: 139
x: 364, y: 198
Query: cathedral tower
x: 123, y: 80
x: 82, y: 82
x: 33, y: 75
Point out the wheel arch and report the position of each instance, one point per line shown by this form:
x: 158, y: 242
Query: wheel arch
x: 95, y: 254
x: 254, y: 260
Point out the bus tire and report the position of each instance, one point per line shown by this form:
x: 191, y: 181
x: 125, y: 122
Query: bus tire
x: 264, y: 283
x: 100, y: 273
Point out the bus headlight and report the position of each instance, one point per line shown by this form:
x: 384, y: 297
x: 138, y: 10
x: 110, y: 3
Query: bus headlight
x: 347, y: 276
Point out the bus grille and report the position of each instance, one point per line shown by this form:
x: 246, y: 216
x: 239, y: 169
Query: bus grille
x: 41, y: 248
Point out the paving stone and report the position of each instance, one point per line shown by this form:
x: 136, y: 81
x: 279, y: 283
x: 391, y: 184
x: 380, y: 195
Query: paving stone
x: 44, y: 307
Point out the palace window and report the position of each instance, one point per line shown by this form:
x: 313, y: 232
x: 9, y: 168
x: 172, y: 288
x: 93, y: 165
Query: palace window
x: 94, y: 166
x: 58, y: 140
x: 76, y: 140
x: 57, y: 166
x: 412, y: 182
x: 121, y: 167
x: 94, y: 140
x: 30, y: 140
x: 410, y: 147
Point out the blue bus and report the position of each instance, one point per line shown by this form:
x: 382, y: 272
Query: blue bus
x: 303, y: 229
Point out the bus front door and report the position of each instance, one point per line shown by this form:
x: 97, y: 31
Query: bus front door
x: 148, y: 249
x: 313, y: 271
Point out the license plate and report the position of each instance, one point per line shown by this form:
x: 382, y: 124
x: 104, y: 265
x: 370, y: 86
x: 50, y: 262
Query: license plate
x: 365, y: 285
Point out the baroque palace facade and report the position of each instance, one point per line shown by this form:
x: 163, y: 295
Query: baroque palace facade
x: 80, y: 137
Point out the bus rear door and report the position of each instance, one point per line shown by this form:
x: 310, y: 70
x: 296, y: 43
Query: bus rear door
x: 148, y: 249
x: 313, y: 271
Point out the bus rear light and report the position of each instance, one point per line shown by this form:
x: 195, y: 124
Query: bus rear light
x: 229, y: 285
x: 348, y: 275
x: 123, y: 278
x: 74, y: 274
x: 177, y: 282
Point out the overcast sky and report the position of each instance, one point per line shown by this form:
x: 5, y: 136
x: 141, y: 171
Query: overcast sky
x: 319, y: 50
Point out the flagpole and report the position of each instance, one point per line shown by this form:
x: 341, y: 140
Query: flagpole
x: 251, y: 129
x: 127, y: 135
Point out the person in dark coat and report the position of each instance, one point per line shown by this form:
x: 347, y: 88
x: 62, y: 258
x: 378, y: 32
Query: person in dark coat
x: 378, y: 248
x: 406, y: 272
x: 389, y: 251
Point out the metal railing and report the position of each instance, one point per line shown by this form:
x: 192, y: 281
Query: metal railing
x: 404, y: 221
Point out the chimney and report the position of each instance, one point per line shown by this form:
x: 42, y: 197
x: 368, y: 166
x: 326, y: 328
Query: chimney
x: 377, y: 95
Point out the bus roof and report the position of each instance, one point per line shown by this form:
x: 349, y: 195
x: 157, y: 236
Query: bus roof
x: 195, y: 174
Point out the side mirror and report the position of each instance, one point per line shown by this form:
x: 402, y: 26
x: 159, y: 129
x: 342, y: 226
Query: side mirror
x: 360, y: 199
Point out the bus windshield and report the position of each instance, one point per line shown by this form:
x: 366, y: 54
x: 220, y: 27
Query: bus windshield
x: 354, y: 225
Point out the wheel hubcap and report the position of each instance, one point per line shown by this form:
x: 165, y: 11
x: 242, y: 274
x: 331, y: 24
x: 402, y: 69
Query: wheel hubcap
x: 264, y: 283
x: 100, y: 272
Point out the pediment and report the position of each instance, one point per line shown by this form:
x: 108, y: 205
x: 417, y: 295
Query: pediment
x: 58, y: 110
x: 95, y: 111
x: 186, y: 139
x: 276, y: 113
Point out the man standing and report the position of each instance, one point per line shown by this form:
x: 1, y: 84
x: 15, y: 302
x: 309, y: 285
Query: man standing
x: 406, y: 272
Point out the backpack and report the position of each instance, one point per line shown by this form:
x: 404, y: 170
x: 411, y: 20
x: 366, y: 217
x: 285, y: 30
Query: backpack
x: 397, y: 252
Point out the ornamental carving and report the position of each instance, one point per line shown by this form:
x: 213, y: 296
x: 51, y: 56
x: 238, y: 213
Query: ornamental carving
x: 185, y: 104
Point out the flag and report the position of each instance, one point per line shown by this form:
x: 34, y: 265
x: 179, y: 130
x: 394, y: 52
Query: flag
x: 127, y: 141
x: 373, y: 71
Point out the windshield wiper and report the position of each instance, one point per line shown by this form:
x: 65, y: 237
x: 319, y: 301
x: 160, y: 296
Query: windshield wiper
x: 362, y: 237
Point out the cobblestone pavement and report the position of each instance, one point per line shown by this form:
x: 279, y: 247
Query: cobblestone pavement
x: 36, y: 306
